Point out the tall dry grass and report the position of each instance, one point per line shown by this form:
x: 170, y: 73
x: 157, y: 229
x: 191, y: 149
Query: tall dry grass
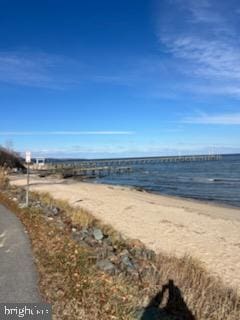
x: 4, y: 181
x: 207, y: 296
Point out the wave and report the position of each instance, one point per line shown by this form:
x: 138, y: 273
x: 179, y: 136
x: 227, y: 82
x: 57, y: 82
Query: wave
x: 225, y: 180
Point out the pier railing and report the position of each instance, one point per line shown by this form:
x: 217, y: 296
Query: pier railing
x: 104, y: 167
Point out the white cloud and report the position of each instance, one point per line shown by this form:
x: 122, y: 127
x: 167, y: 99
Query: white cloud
x: 210, y: 58
x: 62, y: 133
x: 45, y: 70
x: 203, y: 11
x: 205, y: 45
x: 220, y: 119
x: 42, y: 70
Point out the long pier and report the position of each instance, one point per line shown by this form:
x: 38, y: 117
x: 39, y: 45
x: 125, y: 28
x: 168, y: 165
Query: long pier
x: 103, y: 167
x: 132, y: 161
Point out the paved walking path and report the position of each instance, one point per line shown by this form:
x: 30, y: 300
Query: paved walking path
x: 18, y: 277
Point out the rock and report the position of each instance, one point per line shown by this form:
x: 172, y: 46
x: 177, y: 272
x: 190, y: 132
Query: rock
x: 143, y: 253
x: 105, y: 251
x: 80, y: 235
x: 151, y: 255
x: 115, y: 259
x: 107, y: 240
x: 83, y: 244
x: 137, y: 252
x: 98, y: 235
x: 55, y: 211
x: 90, y: 241
x: 106, y: 266
x: 83, y: 233
x: 126, y: 262
x: 124, y: 252
x: 37, y: 206
x: 60, y: 224
x: 136, y: 247
x: 51, y: 211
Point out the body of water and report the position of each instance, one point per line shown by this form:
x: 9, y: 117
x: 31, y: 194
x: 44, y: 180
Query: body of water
x: 217, y: 181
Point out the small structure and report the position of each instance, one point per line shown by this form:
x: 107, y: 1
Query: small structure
x: 40, y: 163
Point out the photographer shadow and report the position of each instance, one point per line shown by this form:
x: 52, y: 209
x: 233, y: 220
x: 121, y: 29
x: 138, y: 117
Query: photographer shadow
x: 175, y: 307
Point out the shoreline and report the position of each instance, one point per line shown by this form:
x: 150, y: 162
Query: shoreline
x: 177, y: 197
x: 208, y: 232
x: 170, y: 196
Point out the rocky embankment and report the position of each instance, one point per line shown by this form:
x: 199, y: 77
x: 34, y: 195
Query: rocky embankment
x: 115, y: 255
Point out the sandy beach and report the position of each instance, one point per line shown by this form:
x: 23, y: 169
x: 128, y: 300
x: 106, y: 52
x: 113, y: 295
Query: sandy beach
x: 209, y: 232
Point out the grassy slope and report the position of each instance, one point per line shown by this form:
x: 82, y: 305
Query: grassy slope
x: 70, y: 281
x: 68, y: 277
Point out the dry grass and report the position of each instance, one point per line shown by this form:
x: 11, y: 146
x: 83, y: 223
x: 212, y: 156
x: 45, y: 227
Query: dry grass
x: 71, y: 283
x: 4, y: 181
x: 79, y: 217
x: 68, y: 277
x: 206, y: 296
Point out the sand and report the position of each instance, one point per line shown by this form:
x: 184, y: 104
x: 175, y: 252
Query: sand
x: 209, y: 232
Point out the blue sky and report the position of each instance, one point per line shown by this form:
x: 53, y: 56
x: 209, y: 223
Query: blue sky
x: 120, y: 78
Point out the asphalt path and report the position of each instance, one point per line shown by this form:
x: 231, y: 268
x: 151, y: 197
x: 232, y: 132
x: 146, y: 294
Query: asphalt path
x: 18, y: 276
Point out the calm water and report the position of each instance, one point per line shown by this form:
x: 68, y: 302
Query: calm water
x: 217, y: 181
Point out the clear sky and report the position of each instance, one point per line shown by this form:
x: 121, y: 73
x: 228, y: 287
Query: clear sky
x: 120, y: 78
